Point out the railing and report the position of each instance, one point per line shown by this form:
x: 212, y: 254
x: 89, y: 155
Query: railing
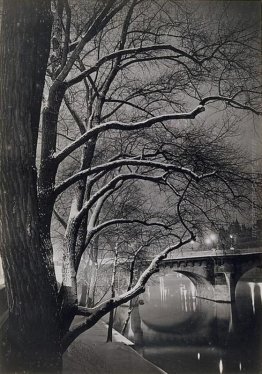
x: 214, y: 252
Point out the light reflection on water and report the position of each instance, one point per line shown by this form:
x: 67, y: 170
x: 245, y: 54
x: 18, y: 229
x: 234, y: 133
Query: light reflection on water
x: 240, y: 366
x: 220, y: 366
x: 252, y: 291
x: 183, y: 334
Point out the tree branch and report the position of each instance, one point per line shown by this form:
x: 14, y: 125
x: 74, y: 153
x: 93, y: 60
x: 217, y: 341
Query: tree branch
x: 129, y: 162
x: 60, y: 219
x: 181, y: 199
x: 75, y: 116
x: 116, y: 125
x: 116, y: 221
x: 106, y: 14
x: 228, y: 100
x: 67, y: 33
x: 96, y: 313
x: 130, y: 51
x: 111, y: 186
x: 121, y: 103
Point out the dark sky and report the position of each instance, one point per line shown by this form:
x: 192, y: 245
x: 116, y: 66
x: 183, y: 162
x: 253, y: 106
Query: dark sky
x: 244, y: 9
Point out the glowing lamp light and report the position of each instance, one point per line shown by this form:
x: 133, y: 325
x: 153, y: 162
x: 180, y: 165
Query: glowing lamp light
x: 213, y: 237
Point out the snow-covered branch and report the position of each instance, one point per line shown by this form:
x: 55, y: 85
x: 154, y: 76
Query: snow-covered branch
x: 117, y: 125
x: 111, y: 186
x: 96, y: 212
x: 116, y: 221
x: 232, y: 101
x: 96, y: 313
x: 129, y: 162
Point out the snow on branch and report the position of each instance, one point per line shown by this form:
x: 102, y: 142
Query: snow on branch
x: 232, y: 101
x: 117, y: 125
x: 116, y: 221
x: 128, y: 162
x: 96, y: 313
x: 95, y: 214
x: 111, y: 186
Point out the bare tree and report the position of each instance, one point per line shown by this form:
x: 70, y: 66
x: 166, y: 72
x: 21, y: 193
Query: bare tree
x: 117, y: 74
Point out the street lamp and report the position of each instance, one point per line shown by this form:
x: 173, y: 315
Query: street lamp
x: 208, y: 241
x: 211, y: 241
x: 231, y: 242
x: 213, y: 238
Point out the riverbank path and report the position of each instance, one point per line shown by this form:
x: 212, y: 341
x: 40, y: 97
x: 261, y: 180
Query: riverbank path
x: 90, y: 354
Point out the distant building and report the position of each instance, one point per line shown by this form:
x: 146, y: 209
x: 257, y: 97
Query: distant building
x: 240, y: 236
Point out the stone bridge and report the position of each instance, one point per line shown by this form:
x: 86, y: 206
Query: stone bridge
x: 215, y: 277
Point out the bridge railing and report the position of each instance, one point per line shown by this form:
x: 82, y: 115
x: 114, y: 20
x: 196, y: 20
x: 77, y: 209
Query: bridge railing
x: 214, y: 252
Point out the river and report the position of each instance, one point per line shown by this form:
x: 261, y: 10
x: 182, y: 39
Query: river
x: 183, y: 334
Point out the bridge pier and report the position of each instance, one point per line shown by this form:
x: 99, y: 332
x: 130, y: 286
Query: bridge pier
x: 224, y: 287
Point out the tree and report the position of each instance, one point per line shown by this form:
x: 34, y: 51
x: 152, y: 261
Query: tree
x: 25, y: 40
x: 116, y: 76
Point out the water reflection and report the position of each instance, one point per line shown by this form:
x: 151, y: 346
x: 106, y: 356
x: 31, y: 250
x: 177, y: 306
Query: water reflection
x: 252, y: 288
x: 240, y: 366
x: 220, y: 366
x: 184, y: 334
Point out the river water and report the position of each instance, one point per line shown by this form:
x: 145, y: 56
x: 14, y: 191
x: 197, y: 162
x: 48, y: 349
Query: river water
x: 183, y: 334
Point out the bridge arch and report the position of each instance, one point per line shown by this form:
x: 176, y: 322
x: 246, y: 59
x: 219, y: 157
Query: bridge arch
x: 204, y: 288
x: 245, y: 268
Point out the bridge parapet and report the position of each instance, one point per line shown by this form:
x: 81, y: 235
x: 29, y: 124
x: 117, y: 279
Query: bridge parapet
x: 214, y: 252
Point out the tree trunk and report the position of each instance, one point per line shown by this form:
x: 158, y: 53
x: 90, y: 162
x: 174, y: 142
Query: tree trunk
x: 83, y: 298
x: 111, y: 314
x: 110, y: 326
x: 33, y: 336
x: 136, y: 323
x: 92, y: 284
x: 93, y: 271
x: 127, y: 318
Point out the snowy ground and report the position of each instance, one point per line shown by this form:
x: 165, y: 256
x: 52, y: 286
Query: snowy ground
x: 90, y: 354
